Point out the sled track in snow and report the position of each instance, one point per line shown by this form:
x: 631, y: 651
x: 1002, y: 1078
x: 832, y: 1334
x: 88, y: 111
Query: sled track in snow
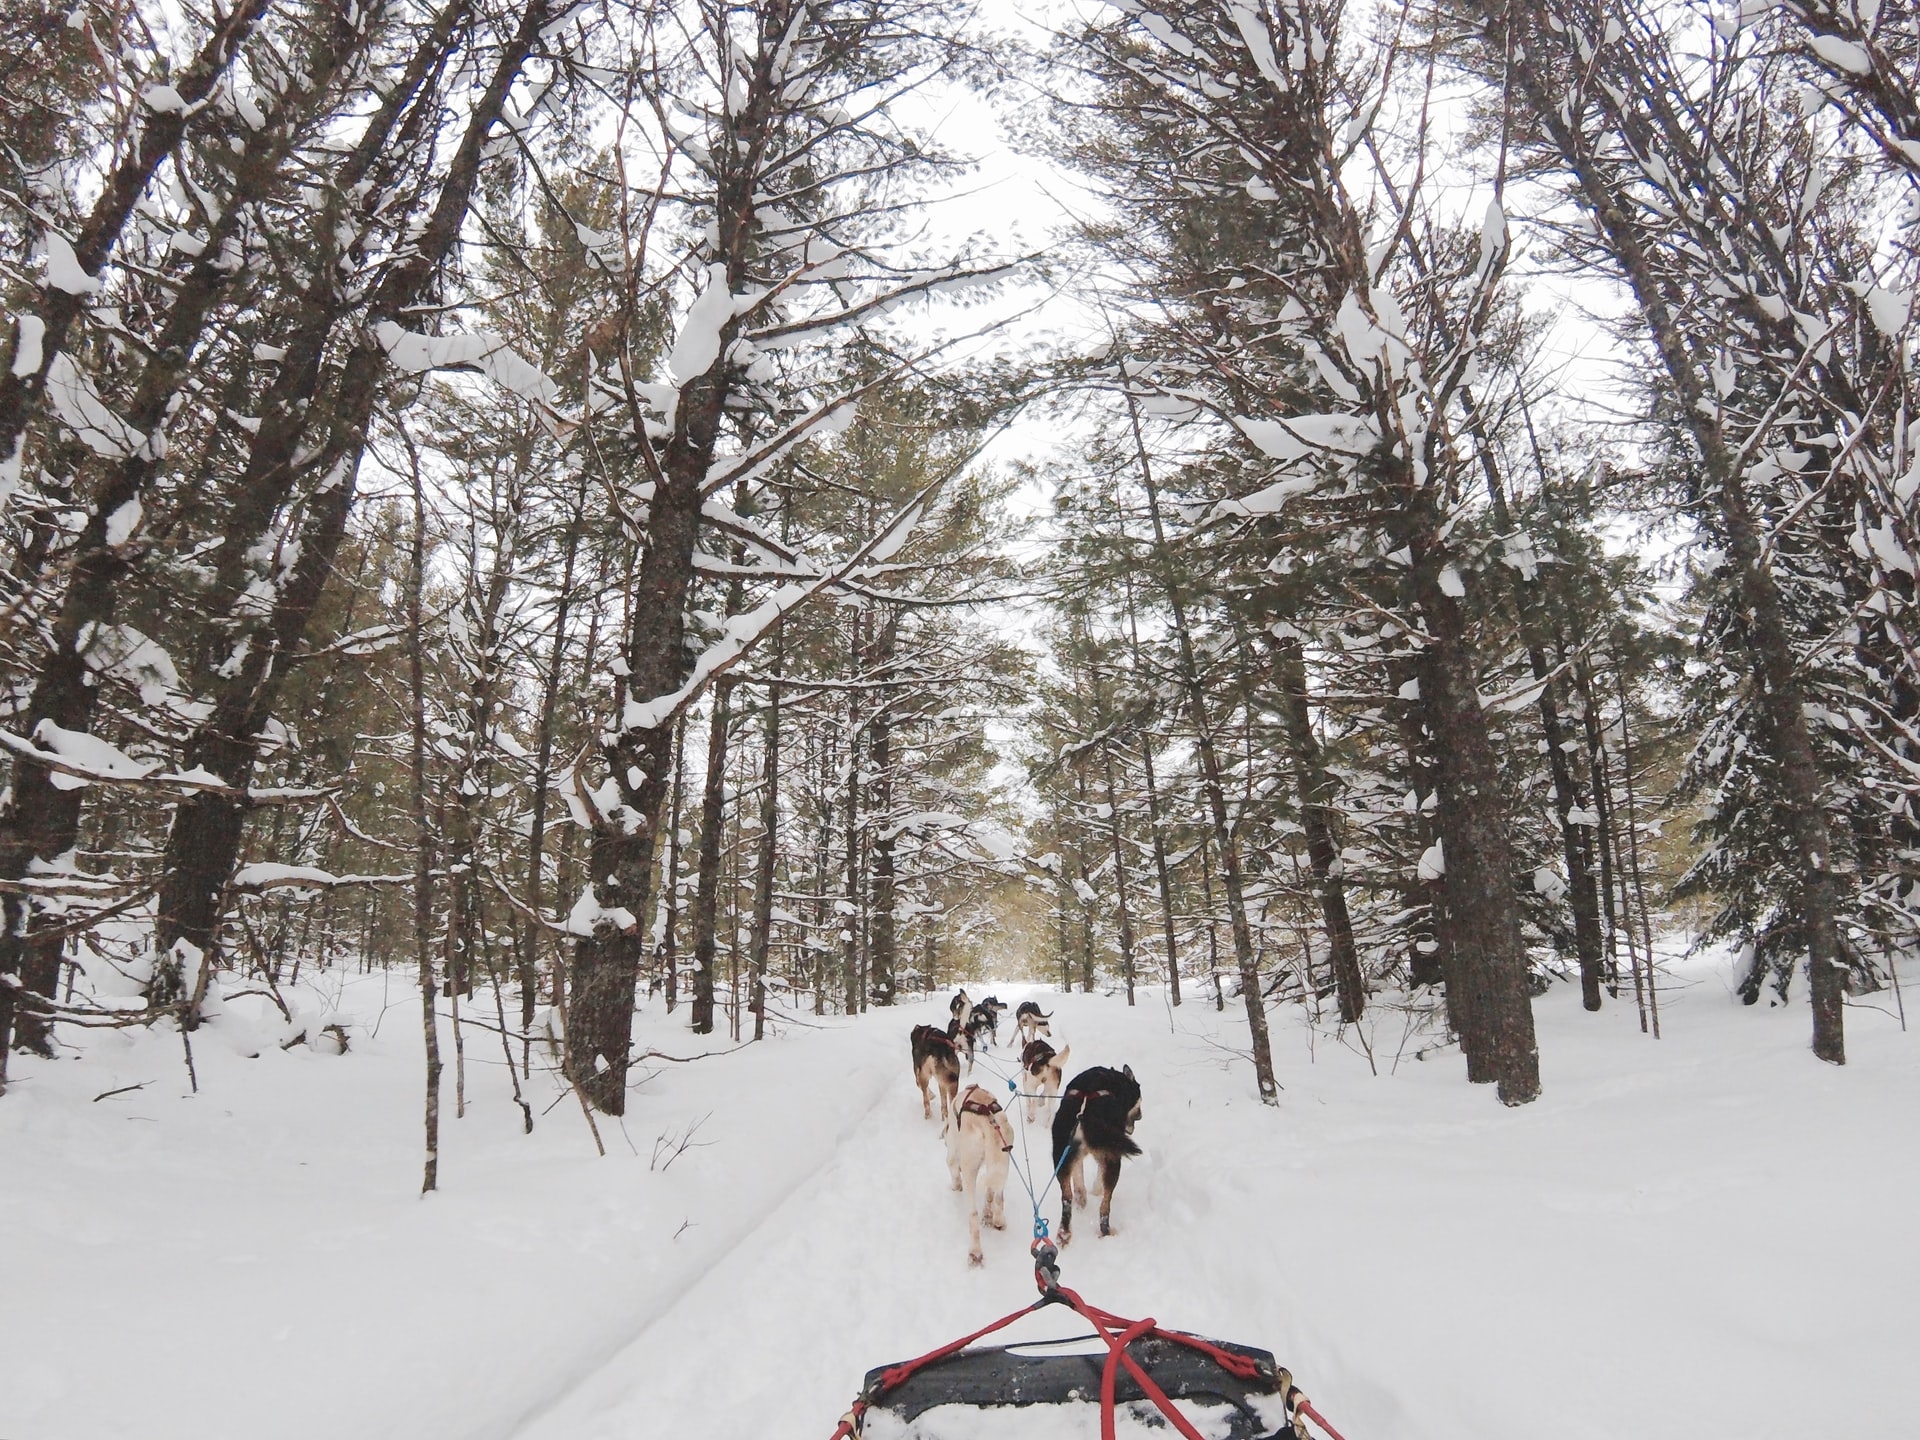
x: 879, y: 1091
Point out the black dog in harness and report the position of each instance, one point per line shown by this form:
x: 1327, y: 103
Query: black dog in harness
x: 1096, y: 1117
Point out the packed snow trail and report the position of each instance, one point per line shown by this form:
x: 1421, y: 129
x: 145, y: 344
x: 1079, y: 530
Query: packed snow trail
x: 1426, y: 1262
x: 1679, y: 1241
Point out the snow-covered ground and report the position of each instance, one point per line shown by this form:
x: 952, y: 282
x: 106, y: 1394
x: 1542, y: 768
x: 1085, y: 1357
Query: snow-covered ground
x: 1700, y: 1237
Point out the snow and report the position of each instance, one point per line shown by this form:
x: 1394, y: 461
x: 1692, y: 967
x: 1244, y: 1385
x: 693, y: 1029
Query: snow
x: 27, y: 354
x: 1253, y: 30
x: 64, y: 271
x: 1433, y: 861
x: 1841, y: 54
x: 1652, y: 1244
x: 489, y: 354
x: 1269, y: 500
x: 87, y: 752
x: 698, y: 344
x: 1889, y: 310
x: 164, y: 100
x: 80, y: 408
x: 123, y: 522
x: 1299, y: 436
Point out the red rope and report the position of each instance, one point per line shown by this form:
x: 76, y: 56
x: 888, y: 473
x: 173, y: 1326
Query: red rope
x: 1314, y: 1415
x: 896, y: 1375
x: 1118, y: 1333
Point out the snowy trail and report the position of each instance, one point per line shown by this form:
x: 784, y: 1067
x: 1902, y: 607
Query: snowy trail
x: 1681, y: 1241
x: 1429, y: 1264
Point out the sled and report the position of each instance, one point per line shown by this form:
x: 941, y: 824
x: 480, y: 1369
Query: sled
x: 1127, y: 1378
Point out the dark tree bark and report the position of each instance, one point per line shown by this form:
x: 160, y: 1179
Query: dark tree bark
x: 1316, y: 790
x: 1122, y: 914
x: 1224, y: 839
x: 39, y: 819
x: 1576, y: 839
x: 423, y: 839
x: 760, y: 935
x: 1160, y: 869
x: 1781, y: 695
x: 23, y: 393
x: 670, y: 874
x: 531, y: 927
x: 713, y: 824
x: 203, y: 844
x: 882, y: 950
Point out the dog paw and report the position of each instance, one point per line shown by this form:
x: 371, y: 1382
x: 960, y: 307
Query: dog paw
x: 976, y: 1260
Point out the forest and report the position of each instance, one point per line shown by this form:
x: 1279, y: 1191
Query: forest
x: 601, y: 523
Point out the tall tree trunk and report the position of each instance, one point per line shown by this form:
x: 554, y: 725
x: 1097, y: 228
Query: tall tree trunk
x: 713, y: 824
x: 882, y: 953
x: 1316, y: 789
x: 1766, y: 631
x: 1160, y: 869
x: 1576, y: 838
x: 761, y: 934
x: 423, y: 839
x: 543, y: 767
x: 1123, y: 915
x: 670, y: 874
x: 1224, y: 839
x: 203, y: 844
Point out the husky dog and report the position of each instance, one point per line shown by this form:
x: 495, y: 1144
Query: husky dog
x: 936, y: 1059
x: 979, y: 1141
x: 1030, y: 1021
x: 979, y: 1031
x: 1095, y: 1121
x: 1043, y: 1070
x: 959, y: 1006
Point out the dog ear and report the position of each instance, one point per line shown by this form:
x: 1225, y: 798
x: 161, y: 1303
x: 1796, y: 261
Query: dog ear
x: 1127, y: 1070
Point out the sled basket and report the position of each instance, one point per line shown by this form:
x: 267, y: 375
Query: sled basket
x: 1055, y: 1385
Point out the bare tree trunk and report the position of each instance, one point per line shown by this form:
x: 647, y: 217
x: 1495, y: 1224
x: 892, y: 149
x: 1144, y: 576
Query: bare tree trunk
x: 713, y: 824
x: 882, y: 951
x: 849, y: 907
x: 761, y: 935
x: 1576, y: 846
x: 1781, y: 696
x: 1316, y: 818
x: 543, y: 767
x: 1210, y: 775
x: 1154, y: 822
x: 203, y: 843
x: 423, y: 839
x: 670, y: 875
x: 1123, y: 915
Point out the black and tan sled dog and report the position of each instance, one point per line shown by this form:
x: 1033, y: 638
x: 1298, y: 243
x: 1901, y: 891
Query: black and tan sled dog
x: 1095, y: 1121
x: 936, y: 1058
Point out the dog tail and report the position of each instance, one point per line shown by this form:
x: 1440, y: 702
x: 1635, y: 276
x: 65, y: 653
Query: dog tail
x: 1061, y: 1058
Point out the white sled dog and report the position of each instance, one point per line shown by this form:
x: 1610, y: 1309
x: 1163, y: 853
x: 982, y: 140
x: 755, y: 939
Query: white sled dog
x: 979, y: 1141
x: 1044, y: 1070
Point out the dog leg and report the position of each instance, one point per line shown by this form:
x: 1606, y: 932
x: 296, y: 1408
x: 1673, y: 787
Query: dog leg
x: 975, y: 1256
x: 1065, y: 1169
x: 926, y: 1100
x: 1109, y: 1177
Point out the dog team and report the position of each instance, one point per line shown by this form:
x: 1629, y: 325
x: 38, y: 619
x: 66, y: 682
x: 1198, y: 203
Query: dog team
x: 1092, y: 1127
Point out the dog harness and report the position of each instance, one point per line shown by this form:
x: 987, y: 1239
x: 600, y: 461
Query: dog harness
x: 978, y: 1102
